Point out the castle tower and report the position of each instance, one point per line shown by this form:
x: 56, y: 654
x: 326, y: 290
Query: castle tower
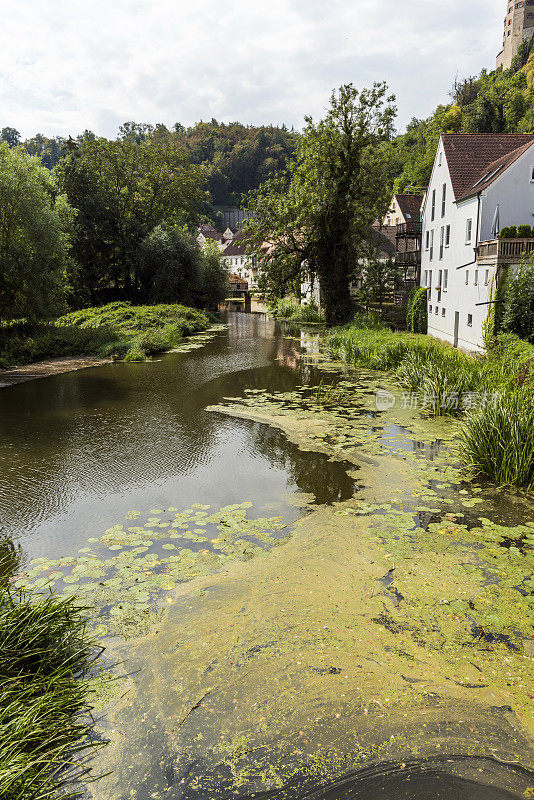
x: 518, y: 27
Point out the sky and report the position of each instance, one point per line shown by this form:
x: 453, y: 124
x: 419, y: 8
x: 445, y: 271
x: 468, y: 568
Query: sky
x: 67, y: 65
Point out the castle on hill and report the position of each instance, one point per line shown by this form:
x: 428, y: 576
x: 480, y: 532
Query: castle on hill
x: 518, y: 28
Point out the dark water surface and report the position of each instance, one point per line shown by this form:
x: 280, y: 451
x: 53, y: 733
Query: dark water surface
x: 79, y: 450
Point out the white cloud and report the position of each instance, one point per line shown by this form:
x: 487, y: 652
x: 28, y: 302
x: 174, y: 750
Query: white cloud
x: 73, y: 65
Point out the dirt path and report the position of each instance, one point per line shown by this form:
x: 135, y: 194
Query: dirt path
x: 44, y: 369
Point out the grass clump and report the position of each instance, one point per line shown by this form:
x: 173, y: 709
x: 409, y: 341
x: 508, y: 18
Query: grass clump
x: 45, y: 723
x: 287, y: 309
x: 117, y: 329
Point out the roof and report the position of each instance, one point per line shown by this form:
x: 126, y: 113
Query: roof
x: 236, y: 246
x: 410, y: 206
x: 476, y: 160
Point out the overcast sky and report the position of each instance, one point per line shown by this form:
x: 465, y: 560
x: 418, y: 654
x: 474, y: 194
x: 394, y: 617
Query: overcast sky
x: 67, y: 65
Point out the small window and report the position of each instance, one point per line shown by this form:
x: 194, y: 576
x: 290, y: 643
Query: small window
x: 433, y: 205
x: 430, y: 277
x: 436, y: 310
x: 431, y: 245
x: 445, y: 280
x: 468, y: 231
x: 467, y: 277
x: 447, y: 236
x: 470, y: 320
x: 439, y: 159
x: 532, y: 174
x: 427, y: 240
x: 429, y: 309
x: 476, y: 277
x: 441, y: 242
x: 486, y: 278
x: 444, y: 200
x: 442, y: 312
x: 426, y: 278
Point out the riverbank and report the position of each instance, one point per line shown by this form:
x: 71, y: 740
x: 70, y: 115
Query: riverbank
x: 47, y: 368
x: 372, y: 635
x: 118, y: 330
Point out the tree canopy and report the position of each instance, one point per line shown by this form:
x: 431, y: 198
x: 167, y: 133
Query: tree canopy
x: 318, y: 216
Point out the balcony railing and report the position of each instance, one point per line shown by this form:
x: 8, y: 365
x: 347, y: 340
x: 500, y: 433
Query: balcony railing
x: 410, y: 229
x: 412, y: 258
x: 504, y: 251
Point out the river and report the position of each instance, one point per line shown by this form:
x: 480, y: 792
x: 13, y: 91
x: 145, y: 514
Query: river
x: 321, y: 644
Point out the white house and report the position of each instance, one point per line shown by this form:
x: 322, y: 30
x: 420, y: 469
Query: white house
x: 480, y: 183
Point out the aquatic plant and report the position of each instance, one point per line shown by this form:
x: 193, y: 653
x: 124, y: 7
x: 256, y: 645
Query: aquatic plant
x: 289, y: 310
x: 45, y: 721
x: 497, y: 439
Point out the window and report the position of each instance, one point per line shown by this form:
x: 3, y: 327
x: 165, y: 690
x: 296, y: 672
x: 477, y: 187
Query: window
x: 447, y: 235
x: 441, y: 242
x: 476, y: 277
x: 467, y: 277
x: 444, y: 200
x: 431, y: 245
x: 425, y: 282
x: 445, y: 280
x: 430, y: 278
x: 433, y: 205
x: 440, y: 279
x: 468, y: 231
x: 470, y: 320
x: 429, y: 309
x: 532, y: 174
x: 486, y: 278
x: 427, y: 240
x: 436, y: 310
x: 442, y: 312
x: 439, y: 159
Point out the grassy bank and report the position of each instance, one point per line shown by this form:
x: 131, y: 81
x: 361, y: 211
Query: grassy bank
x: 288, y: 310
x: 44, y: 711
x: 493, y: 394
x: 118, y: 329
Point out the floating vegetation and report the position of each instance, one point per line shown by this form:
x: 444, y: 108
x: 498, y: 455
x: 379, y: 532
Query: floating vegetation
x: 125, y: 573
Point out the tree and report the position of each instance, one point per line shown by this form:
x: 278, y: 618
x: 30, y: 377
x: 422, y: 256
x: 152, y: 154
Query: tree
x: 214, y: 278
x: 11, y: 136
x: 318, y: 217
x: 518, y: 307
x: 380, y: 276
x: 34, y: 238
x: 170, y: 267
x: 123, y: 191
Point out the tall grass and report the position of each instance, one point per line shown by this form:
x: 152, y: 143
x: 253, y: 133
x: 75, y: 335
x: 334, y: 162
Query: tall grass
x: 116, y: 329
x: 497, y: 437
x: 287, y: 309
x: 45, y: 723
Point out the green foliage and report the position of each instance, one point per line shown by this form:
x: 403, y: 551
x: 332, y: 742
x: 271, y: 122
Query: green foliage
x: 123, y: 190
x: 524, y: 232
x: 11, y: 136
x: 417, y: 311
x: 34, y: 238
x: 379, y: 279
x: 493, y: 102
x: 320, y: 214
x: 518, y: 306
x: 288, y: 309
x: 214, y: 284
x: 118, y: 329
x: 497, y: 439
x: 170, y: 266
x: 44, y: 710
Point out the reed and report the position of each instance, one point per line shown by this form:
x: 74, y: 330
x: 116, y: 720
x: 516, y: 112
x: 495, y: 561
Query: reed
x: 45, y: 714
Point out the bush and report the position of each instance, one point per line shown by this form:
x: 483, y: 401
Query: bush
x: 44, y: 711
x: 518, y: 307
x: 289, y: 310
x: 417, y: 311
x: 524, y: 232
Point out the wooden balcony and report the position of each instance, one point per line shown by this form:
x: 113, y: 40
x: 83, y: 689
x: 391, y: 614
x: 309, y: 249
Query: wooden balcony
x: 410, y: 229
x: 503, y: 251
x: 411, y: 258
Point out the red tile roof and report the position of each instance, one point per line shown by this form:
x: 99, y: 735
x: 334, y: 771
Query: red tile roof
x: 475, y: 160
x: 410, y: 205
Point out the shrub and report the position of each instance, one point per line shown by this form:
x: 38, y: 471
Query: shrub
x: 417, y: 311
x: 524, y: 232
x: 287, y: 309
x: 518, y: 306
x: 497, y: 439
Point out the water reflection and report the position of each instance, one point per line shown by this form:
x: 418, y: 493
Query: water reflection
x: 77, y: 451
